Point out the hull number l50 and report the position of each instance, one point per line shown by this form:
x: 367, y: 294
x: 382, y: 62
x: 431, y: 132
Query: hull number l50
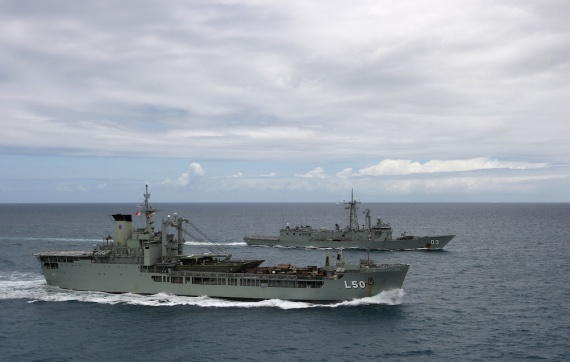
x: 354, y: 284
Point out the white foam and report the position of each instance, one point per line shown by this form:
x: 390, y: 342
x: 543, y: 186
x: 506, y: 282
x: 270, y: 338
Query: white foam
x: 32, y: 286
x: 390, y: 297
x: 29, y: 238
x: 200, y: 243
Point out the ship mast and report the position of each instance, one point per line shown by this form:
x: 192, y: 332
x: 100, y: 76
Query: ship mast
x: 352, y: 207
x: 367, y: 217
x: 148, y: 212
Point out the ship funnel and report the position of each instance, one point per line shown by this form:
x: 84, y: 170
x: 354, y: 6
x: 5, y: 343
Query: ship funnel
x: 123, y: 229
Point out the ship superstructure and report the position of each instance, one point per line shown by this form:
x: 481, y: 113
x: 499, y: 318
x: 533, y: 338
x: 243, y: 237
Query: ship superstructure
x: 148, y: 260
x: 367, y: 236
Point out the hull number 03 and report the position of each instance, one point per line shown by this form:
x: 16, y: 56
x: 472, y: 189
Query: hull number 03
x: 354, y: 284
x: 435, y: 242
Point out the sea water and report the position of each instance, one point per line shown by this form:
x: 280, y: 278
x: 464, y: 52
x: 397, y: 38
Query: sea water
x: 499, y: 291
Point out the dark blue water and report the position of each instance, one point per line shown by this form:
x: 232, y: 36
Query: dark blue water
x: 500, y: 291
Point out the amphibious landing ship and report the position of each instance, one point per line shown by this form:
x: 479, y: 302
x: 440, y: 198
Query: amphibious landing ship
x: 149, y: 261
x: 368, y: 236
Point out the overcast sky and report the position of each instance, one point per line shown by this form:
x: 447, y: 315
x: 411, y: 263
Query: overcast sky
x: 230, y: 101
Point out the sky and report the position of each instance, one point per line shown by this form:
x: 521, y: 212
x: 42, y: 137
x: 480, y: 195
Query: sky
x: 285, y: 101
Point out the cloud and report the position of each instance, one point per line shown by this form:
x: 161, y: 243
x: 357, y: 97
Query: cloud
x: 318, y: 173
x: 439, y: 179
x: 240, y: 174
x: 492, y: 184
x: 347, y: 172
x: 188, y: 177
x: 406, y: 167
x: 64, y: 188
x: 425, y: 80
x: 472, y: 86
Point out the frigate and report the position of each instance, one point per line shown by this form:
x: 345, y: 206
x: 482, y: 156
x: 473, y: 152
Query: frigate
x: 368, y: 236
x: 149, y: 261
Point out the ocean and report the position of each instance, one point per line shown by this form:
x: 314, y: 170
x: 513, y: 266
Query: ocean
x: 499, y: 291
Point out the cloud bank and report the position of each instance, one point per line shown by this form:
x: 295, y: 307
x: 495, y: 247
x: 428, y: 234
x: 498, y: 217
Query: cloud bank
x: 310, y: 95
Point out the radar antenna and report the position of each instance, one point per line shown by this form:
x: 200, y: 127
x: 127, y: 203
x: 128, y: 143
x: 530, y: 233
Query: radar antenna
x: 352, y: 206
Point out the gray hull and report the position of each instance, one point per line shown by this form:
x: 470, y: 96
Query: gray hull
x: 369, y: 236
x: 424, y: 243
x: 128, y: 278
x: 149, y: 261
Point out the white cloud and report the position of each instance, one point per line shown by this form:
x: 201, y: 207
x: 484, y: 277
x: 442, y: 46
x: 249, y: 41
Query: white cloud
x: 64, y: 188
x: 196, y: 169
x: 318, y: 173
x: 406, y: 79
x: 445, y: 81
x: 491, y: 184
x: 240, y: 174
x: 188, y: 177
x: 406, y: 167
x: 347, y: 172
x: 69, y: 188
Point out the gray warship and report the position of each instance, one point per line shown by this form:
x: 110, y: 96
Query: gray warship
x: 368, y: 236
x: 149, y: 261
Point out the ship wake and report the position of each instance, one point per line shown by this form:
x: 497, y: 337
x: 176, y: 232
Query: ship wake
x: 33, y: 288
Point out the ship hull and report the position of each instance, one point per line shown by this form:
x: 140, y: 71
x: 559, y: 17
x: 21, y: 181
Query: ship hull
x: 86, y: 275
x: 147, y: 261
x: 413, y: 243
x: 354, y: 236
